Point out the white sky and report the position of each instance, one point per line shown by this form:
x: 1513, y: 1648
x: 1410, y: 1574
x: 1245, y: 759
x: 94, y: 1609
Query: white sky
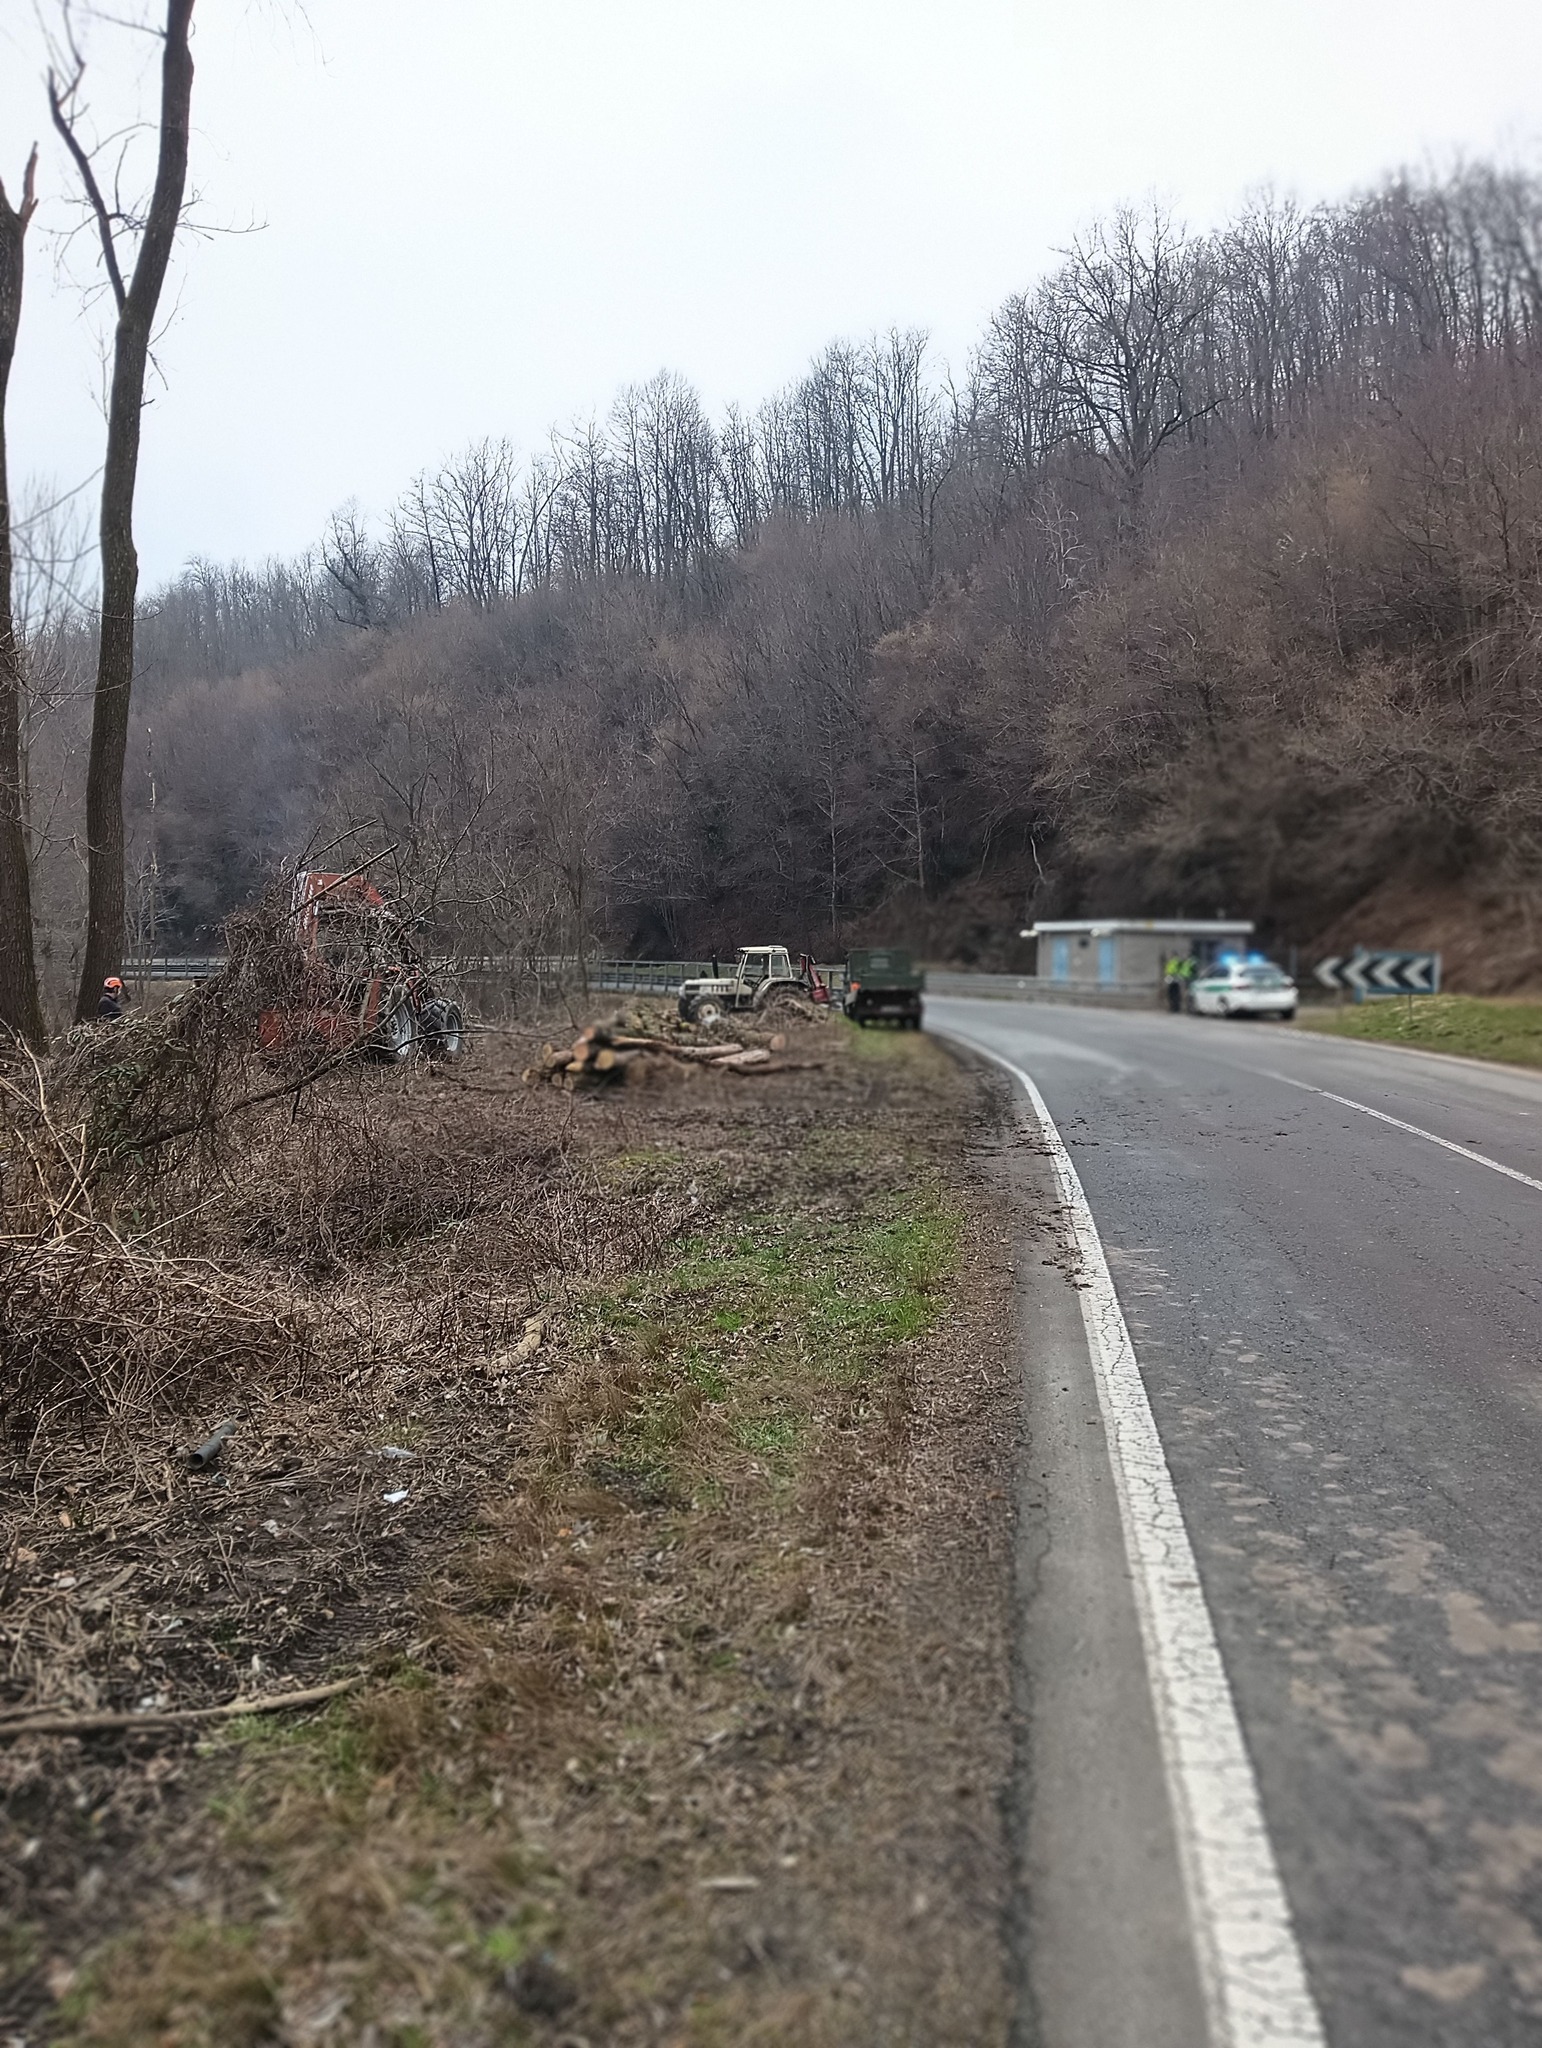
x: 482, y: 216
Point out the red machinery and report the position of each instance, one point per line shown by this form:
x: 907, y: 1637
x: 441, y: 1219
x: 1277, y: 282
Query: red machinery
x: 360, y: 982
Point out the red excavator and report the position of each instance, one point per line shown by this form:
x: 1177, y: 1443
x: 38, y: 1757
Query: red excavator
x: 361, y: 984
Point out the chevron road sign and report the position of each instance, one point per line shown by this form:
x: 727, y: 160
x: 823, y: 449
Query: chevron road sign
x: 1380, y: 974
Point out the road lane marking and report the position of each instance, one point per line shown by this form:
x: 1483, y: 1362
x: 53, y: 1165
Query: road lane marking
x: 1414, y: 1130
x: 1250, y: 1966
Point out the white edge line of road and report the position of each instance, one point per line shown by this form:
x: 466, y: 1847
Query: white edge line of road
x: 1250, y: 1966
x: 1414, y: 1130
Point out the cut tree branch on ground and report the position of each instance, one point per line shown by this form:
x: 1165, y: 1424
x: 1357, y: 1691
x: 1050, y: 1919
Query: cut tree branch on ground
x: 101, y: 1724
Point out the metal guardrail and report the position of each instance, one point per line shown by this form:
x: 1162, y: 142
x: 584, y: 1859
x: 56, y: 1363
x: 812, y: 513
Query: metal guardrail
x: 642, y: 977
x: 1034, y: 988
x: 173, y: 967
x: 619, y: 977
x: 663, y: 977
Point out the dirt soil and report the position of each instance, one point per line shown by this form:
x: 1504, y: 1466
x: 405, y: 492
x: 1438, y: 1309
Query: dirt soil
x: 1489, y: 937
x: 648, y: 1467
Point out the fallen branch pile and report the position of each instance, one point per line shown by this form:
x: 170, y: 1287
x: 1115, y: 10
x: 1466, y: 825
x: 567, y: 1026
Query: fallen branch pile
x: 603, y: 1056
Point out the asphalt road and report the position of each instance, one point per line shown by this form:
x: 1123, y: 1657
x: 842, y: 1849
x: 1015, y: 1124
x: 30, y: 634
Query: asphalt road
x: 1339, y: 1325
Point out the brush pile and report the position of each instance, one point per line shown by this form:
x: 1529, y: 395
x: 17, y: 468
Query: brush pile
x: 354, y: 1263
x: 121, y: 1160
x: 185, y: 1218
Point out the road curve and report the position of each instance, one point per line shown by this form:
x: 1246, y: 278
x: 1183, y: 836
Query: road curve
x: 1329, y: 1259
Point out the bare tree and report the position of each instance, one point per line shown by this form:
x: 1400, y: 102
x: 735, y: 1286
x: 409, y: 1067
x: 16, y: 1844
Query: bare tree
x: 1127, y: 306
x: 672, y: 677
x: 20, y: 1010
x: 468, y: 522
x: 136, y: 297
x: 353, y: 570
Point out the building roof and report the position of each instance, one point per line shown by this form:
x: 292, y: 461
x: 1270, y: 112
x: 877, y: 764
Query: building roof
x: 1176, y: 927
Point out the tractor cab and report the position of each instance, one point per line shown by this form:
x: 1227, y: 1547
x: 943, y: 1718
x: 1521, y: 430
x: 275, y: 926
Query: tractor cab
x: 763, y: 963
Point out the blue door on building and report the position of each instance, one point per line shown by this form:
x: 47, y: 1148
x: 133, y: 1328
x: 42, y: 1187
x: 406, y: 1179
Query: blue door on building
x: 1060, y: 959
x: 1108, y: 960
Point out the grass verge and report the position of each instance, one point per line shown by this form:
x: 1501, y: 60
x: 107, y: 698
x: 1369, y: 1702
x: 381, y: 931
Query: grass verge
x: 589, y: 1805
x: 1504, y: 1028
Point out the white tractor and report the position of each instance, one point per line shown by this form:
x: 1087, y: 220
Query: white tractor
x: 761, y: 978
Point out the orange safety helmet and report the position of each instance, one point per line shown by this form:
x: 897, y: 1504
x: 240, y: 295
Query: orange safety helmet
x: 112, y: 981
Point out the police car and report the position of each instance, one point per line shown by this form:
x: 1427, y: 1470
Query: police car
x: 1243, y: 987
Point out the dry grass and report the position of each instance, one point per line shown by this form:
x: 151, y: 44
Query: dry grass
x: 653, y: 1615
x: 173, y: 1206
x: 345, y: 1265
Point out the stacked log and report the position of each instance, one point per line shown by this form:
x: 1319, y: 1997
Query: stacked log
x: 593, y: 1059
x: 602, y: 1056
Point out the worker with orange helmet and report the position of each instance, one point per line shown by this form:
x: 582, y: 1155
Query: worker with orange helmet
x: 114, y: 997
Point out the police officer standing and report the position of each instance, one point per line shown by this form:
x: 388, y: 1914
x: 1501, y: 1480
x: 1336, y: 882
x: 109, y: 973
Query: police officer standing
x: 1172, y: 981
x: 1177, y: 976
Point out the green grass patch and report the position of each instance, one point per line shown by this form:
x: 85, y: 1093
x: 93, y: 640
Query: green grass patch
x: 886, y: 1042
x: 1481, y: 1027
x: 533, y: 1928
x: 739, y: 1343
x: 643, y: 1169
x: 19, y: 1949
x: 209, y: 1988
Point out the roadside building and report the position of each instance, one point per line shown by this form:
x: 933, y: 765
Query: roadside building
x: 1126, y: 958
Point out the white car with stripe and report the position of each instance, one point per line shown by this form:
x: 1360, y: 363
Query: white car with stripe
x: 1243, y: 988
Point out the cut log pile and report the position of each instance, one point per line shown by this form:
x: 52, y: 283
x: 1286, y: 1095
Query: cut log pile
x: 603, y: 1056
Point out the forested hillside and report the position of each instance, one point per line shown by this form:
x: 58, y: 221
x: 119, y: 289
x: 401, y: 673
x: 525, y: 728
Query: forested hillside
x: 1212, y: 580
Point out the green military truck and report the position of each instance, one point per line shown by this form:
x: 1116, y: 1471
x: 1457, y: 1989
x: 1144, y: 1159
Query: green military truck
x: 882, y: 985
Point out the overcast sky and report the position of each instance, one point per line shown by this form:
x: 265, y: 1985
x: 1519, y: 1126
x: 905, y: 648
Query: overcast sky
x: 483, y: 216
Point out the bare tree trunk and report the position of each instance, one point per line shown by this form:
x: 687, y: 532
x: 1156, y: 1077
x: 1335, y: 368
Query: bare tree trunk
x: 20, y: 1010
x: 137, y: 304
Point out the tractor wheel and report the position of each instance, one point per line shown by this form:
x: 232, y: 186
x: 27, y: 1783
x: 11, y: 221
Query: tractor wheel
x: 706, y: 1010
x: 395, y: 1035
x: 442, y: 1030
x: 787, y: 1001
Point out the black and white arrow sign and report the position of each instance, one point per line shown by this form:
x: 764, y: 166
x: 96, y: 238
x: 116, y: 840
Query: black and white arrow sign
x: 1381, y: 974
